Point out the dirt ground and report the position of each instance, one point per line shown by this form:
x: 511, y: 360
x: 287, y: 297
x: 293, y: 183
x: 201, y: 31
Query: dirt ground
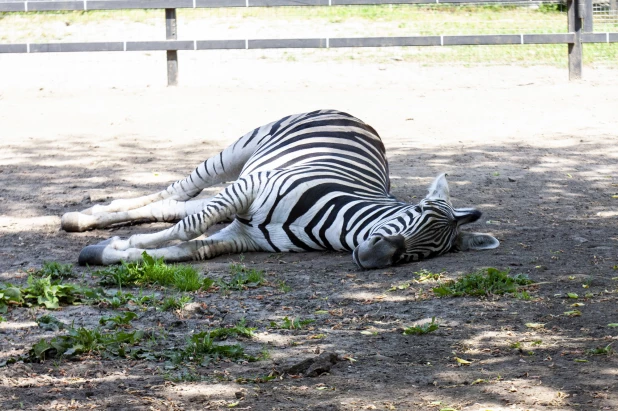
x: 536, y: 153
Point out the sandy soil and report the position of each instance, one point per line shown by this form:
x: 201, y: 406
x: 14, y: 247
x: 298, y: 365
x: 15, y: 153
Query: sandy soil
x: 537, y: 154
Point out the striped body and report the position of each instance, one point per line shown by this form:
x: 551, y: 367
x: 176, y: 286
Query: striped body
x: 312, y: 181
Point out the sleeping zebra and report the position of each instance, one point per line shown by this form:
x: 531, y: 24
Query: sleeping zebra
x: 311, y: 181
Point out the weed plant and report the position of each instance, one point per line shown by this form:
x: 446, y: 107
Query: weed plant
x: 151, y: 271
x: 423, y: 328
x: 483, y: 283
x: 291, y: 323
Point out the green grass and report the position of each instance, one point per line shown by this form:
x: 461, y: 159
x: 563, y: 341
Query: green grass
x: 203, y: 347
x: 121, y: 299
x: 119, y: 320
x: 184, y: 375
x: 607, y: 350
x: 55, y: 271
x: 51, y: 293
x: 257, y: 380
x: 43, y: 291
x: 422, y: 276
x: 291, y: 323
x: 422, y: 329
x: 283, y: 287
x: 84, y: 341
x: 336, y: 21
x: 50, y: 323
x: 490, y: 281
x: 242, y: 278
x: 9, y: 296
x: 152, y: 271
x: 175, y: 302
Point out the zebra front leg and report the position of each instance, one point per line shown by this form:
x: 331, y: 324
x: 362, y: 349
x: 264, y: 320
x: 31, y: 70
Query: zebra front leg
x: 235, y: 199
x: 227, y: 241
x: 226, y: 166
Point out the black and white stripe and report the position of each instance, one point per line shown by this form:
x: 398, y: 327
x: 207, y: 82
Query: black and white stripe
x: 311, y: 181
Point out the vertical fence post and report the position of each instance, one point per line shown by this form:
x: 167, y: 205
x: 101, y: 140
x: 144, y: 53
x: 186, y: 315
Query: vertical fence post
x: 587, y: 16
x: 575, y: 48
x: 172, y: 55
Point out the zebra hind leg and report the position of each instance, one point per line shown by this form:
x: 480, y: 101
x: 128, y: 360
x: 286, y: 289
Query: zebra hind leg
x: 212, y: 171
x: 225, y: 166
x: 235, y: 199
x: 164, y: 210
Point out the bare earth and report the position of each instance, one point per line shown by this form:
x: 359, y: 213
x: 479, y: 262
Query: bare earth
x: 537, y: 154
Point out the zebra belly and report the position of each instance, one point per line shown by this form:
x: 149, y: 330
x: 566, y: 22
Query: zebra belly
x: 275, y: 238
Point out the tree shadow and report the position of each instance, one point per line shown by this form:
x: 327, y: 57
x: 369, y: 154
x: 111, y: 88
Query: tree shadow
x: 550, y: 204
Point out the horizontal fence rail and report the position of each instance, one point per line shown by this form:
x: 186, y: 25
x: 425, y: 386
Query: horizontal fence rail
x: 579, y: 30
x: 85, y: 5
x: 316, y: 43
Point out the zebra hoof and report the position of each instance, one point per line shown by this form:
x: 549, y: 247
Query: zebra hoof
x: 77, y: 222
x: 91, y: 255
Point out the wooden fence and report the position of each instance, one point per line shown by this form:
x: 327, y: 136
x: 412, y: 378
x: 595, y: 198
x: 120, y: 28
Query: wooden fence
x: 579, y: 29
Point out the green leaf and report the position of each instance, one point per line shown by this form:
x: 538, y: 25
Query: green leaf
x: 41, y: 348
x: 462, y: 361
x: 148, y: 260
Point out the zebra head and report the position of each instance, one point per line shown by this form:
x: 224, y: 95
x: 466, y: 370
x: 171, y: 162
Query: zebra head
x: 427, y: 229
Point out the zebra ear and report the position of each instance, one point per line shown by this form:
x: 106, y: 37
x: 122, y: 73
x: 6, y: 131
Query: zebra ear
x: 438, y: 190
x: 466, y: 215
x: 476, y: 241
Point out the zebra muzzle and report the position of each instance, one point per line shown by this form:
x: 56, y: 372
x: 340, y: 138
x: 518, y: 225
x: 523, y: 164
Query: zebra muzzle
x: 379, y: 251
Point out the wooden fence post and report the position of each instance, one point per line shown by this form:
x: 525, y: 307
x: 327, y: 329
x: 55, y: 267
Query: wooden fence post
x: 575, y: 48
x: 172, y: 55
x: 587, y: 16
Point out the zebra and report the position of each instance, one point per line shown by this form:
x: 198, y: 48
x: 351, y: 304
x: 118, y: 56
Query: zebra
x: 310, y: 181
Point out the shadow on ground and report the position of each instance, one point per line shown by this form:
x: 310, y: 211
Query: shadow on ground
x: 550, y: 204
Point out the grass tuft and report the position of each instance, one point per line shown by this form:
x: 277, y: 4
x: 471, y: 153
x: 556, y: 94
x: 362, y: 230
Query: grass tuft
x: 55, y: 271
x: 9, y: 295
x: 153, y: 271
x: 120, y: 320
x: 50, y: 323
x: 291, y: 323
x: 83, y: 341
x: 243, y: 278
x: 607, y: 350
x: 175, y: 302
x: 423, y: 328
x: 203, y: 348
x: 483, y: 283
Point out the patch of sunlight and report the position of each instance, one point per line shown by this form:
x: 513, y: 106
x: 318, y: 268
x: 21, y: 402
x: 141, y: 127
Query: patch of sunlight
x: 607, y: 214
x: 369, y: 296
x: 14, y: 325
x: 21, y: 224
x: 274, y: 339
x: 218, y: 391
x: 146, y: 177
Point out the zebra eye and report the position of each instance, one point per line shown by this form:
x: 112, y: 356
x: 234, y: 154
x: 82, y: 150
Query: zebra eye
x: 418, y: 209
